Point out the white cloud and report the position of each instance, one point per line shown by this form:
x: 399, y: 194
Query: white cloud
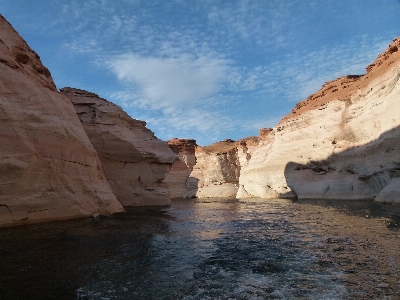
x: 256, y: 125
x: 163, y: 83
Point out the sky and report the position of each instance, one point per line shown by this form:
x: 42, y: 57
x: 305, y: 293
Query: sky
x: 204, y: 69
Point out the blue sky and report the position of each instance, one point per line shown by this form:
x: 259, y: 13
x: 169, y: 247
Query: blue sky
x: 209, y: 69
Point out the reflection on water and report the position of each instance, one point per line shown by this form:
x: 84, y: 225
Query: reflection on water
x: 210, y: 249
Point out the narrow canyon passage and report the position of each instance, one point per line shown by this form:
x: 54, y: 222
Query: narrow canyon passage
x: 210, y: 249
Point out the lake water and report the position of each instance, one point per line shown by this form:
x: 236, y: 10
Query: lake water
x: 210, y: 249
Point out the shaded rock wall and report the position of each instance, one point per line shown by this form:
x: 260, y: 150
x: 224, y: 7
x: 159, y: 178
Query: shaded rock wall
x: 135, y: 162
x: 180, y: 184
x: 49, y: 170
x: 217, y: 170
x: 340, y: 143
x: 211, y: 171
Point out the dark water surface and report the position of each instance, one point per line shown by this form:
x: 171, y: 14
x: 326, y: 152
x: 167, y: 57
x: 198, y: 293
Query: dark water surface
x: 210, y: 249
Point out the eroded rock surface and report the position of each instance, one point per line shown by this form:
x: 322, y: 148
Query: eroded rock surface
x: 218, y: 166
x: 343, y: 142
x: 134, y: 160
x: 180, y: 184
x: 49, y: 170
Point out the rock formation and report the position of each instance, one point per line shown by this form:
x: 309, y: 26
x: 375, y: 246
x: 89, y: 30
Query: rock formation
x: 217, y: 170
x: 343, y: 142
x: 48, y: 168
x: 180, y: 184
x: 211, y: 171
x: 135, y: 162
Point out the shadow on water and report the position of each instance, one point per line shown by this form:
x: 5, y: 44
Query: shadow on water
x: 53, y: 260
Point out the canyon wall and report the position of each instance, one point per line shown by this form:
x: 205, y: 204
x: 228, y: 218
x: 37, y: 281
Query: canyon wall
x: 210, y: 171
x: 178, y: 179
x: 49, y: 170
x: 217, y: 170
x: 134, y: 160
x: 73, y: 154
x: 342, y: 142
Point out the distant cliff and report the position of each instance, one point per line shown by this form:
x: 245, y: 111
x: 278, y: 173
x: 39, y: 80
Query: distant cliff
x: 210, y: 171
x: 178, y: 180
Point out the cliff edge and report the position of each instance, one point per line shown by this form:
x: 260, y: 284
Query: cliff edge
x: 180, y: 183
x: 134, y: 160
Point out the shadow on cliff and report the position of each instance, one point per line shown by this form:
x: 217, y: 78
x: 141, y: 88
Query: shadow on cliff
x: 192, y: 186
x: 357, y: 173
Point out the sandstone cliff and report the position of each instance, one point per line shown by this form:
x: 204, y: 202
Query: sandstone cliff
x: 343, y: 142
x: 211, y: 171
x: 217, y: 170
x: 48, y: 168
x: 180, y: 183
x: 135, y: 162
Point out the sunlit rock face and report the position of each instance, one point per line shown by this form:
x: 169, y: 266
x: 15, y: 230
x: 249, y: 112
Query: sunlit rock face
x: 135, y: 162
x: 49, y: 170
x: 178, y: 179
x: 343, y: 142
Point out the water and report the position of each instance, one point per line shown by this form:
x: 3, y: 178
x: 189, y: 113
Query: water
x: 210, y: 249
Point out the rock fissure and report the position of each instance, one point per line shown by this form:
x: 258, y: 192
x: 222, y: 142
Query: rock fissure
x: 68, y: 161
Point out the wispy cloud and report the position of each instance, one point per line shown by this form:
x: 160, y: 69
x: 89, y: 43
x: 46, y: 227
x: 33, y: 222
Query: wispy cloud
x: 302, y: 73
x: 163, y: 83
x: 310, y: 70
x: 259, y: 22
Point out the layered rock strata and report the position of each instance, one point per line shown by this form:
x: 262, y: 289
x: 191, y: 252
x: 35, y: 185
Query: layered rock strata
x: 217, y: 169
x: 49, y: 170
x: 178, y: 179
x: 342, y: 142
x: 134, y: 160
